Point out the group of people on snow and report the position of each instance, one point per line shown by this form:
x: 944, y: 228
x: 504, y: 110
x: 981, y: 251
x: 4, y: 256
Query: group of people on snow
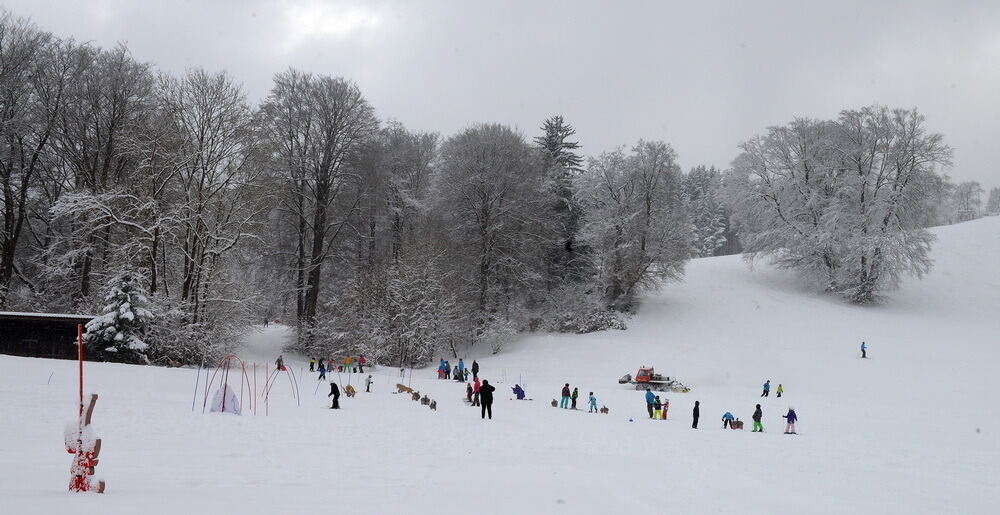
x: 458, y: 372
x: 349, y: 365
x: 767, y: 389
x: 655, y: 407
x: 568, y: 399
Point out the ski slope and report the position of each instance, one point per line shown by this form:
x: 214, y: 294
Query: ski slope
x: 914, y: 429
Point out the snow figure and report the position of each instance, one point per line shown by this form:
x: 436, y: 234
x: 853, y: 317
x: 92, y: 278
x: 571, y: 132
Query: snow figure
x: 225, y: 400
x: 85, y: 446
x: 122, y: 327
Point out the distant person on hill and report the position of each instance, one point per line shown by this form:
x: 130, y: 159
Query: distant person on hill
x: 486, y: 396
x: 657, y: 408
x: 757, y: 415
x: 280, y: 362
x: 329, y: 364
x: 461, y: 368
x: 767, y: 388
x: 468, y: 392
x: 573, y: 397
x: 564, y: 401
x: 447, y: 370
x: 864, y: 350
x: 592, y: 402
x: 727, y: 419
x: 694, y: 415
x: 780, y: 390
x: 368, y: 384
x: 348, y: 361
x: 518, y: 392
x: 361, y: 364
x: 441, y: 369
x: 649, y: 402
x: 456, y: 374
x: 790, y: 419
x: 265, y: 322
x: 475, y: 391
x: 335, y: 393
x: 666, y: 407
x: 475, y: 369
x: 322, y: 372
x: 312, y: 364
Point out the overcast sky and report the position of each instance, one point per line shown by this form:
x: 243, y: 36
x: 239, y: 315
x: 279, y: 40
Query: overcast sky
x: 702, y: 78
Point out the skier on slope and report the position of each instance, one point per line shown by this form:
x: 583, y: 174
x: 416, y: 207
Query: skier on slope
x: 649, y: 402
x: 564, y: 401
x: 280, y: 362
x: 322, y: 372
x: 767, y: 388
x: 574, y: 396
x: 335, y: 393
x: 312, y: 364
x: 475, y: 369
x: 727, y: 419
x: 468, y: 392
x: 757, y: 415
x: 441, y: 369
x: 486, y: 395
x: 780, y: 390
x: 361, y: 364
x: 864, y: 350
x: 790, y: 419
x: 657, y: 407
x: 461, y: 368
x: 368, y: 384
x: 592, y: 401
x: 476, y: 387
x: 695, y: 413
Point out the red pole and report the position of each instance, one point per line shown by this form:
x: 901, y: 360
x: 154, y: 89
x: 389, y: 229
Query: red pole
x: 79, y: 354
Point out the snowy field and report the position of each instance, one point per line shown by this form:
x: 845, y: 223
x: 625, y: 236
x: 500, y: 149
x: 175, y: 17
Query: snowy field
x: 914, y: 429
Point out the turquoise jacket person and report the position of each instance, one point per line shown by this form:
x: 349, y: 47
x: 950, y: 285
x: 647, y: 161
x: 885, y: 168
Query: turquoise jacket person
x: 593, y: 402
x: 650, y: 397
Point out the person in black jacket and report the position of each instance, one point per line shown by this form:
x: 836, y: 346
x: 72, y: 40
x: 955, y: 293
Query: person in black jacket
x: 695, y: 414
x: 757, y: 426
x: 475, y: 369
x: 335, y: 393
x: 486, y: 397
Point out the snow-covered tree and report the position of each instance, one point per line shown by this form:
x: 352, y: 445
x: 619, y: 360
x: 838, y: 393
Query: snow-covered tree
x: 121, y: 329
x: 635, y: 222
x: 562, y: 164
x: 840, y: 201
x: 993, y: 203
x: 702, y: 195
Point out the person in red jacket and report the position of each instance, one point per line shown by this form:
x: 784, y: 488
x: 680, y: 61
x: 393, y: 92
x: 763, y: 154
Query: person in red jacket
x: 361, y: 364
x: 475, y: 392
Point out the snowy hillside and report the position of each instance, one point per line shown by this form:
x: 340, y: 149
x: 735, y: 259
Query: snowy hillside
x: 914, y: 429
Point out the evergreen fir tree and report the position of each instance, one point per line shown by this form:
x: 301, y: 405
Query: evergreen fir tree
x: 562, y: 165
x: 122, y: 328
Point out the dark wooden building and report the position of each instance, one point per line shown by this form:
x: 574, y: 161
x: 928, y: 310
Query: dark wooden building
x: 40, y: 335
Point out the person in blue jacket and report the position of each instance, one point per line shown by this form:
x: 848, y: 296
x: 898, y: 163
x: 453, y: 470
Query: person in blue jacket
x: 593, y: 403
x: 767, y: 388
x: 519, y: 392
x: 727, y: 419
x: 322, y: 371
x: 461, y: 368
x: 864, y: 350
x: 790, y: 419
x: 441, y: 367
x: 649, y: 402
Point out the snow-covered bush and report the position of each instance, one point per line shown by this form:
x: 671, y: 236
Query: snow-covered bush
x: 121, y: 329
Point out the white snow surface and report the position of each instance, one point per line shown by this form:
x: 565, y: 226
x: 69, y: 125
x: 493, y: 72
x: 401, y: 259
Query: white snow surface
x: 914, y: 429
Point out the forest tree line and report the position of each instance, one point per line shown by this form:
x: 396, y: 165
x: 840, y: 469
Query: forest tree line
x: 184, y: 212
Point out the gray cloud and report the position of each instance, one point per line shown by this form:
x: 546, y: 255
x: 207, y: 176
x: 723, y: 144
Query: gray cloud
x: 700, y: 77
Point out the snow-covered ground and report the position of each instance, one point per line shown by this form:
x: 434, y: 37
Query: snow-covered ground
x: 914, y: 429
